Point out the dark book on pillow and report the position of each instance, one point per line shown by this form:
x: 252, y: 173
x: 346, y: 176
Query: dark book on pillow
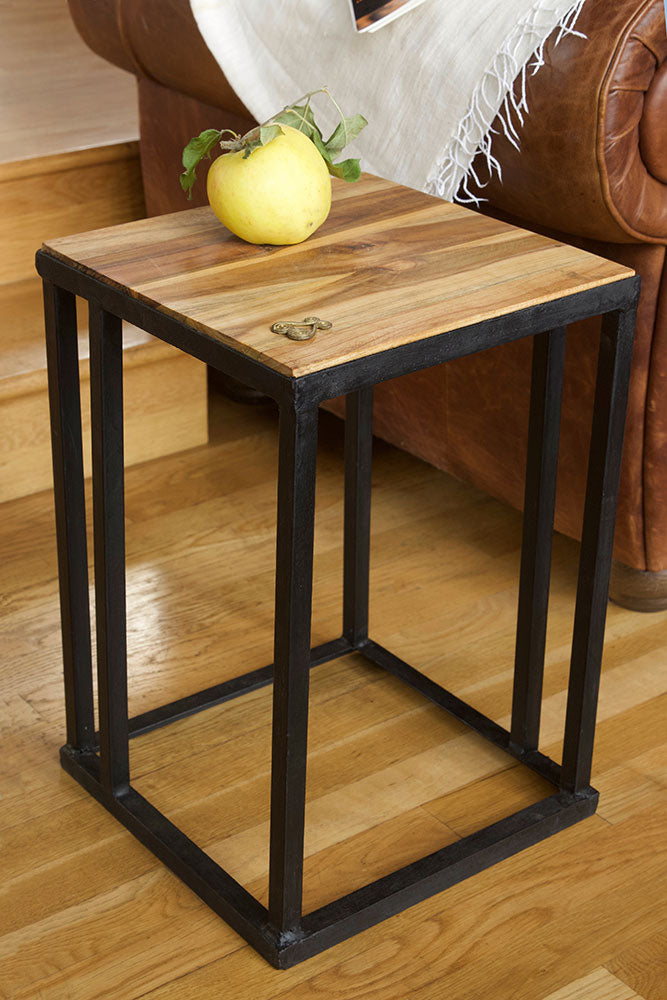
x: 369, y: 15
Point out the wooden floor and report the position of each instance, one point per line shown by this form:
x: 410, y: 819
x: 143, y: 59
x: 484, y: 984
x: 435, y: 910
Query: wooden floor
x: 86, y: 912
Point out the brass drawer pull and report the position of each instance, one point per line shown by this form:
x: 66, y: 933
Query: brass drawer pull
x: 301, y: 331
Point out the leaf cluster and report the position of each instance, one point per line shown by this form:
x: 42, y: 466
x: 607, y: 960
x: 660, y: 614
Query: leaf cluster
x: 299, y: 116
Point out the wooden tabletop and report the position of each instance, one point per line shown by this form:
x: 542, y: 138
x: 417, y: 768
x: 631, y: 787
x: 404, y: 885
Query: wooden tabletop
x: 388, y: 267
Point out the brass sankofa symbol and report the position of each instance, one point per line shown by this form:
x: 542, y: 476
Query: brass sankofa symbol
x: 301, y: 331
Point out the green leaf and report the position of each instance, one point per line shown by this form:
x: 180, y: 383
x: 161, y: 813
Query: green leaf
x: 349, y: 170
x: 319, y: 145
x: 261, y: 137
x: 194, y: 152
x: 300, y: 117
x: 346, y: 130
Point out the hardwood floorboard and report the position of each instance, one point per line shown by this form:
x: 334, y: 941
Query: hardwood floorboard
x: 86, y: 912
x: 506, y: 933
x: 642, y: 966
x: 598, y: 985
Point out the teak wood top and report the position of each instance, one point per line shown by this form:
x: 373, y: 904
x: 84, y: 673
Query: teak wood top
x: 389, y: 266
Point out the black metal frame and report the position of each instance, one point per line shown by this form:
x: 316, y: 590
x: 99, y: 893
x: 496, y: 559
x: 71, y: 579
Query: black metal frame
x: 280, y: 932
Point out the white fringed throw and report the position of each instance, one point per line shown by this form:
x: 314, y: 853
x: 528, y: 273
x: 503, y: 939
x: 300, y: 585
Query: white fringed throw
x: 430, y: 83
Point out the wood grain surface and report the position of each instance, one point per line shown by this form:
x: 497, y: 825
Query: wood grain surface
x: 86, y: 912
x: 389, y: 266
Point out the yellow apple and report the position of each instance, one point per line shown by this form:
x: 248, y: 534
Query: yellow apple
x: 279, y: 194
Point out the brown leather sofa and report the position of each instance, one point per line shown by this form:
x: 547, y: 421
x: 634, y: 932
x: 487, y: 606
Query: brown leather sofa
x: 592, y: 170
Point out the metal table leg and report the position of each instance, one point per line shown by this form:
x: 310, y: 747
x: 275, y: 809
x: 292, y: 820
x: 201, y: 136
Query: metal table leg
x: 356, y: 544
x: 604, y: 470
x: 292, y: 660
x: 106, y: 406
x: 538, y: 525
x: 65, y: 405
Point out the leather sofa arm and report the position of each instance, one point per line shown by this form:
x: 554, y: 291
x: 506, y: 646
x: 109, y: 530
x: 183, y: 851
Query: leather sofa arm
x: 159, y: 40
x: 98, y: 23
x: 593, y: 149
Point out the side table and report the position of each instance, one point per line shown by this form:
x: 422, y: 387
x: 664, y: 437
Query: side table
x: 407, y: 281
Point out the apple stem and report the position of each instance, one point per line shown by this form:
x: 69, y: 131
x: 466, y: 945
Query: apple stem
x: 325, y: 90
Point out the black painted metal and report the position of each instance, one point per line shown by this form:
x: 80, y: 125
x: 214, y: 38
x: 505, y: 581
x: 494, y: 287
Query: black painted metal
x: 144, y: 314
x: 538, y: 526
x: 351, y: 913
x: 375, y: 368
x: 356, y: 545
x: 440, y: 870
x: 294, y: 581
x: 461, y: 710
x: 70, y: 507
x: 351, y: 375
x: 226, y: 691
x: 106, y: 407
x: 604, y: 470
x: 213, y: 884
x: 280, y: 933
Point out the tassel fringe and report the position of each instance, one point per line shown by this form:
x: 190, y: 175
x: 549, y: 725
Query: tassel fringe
x: 454, y: 171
